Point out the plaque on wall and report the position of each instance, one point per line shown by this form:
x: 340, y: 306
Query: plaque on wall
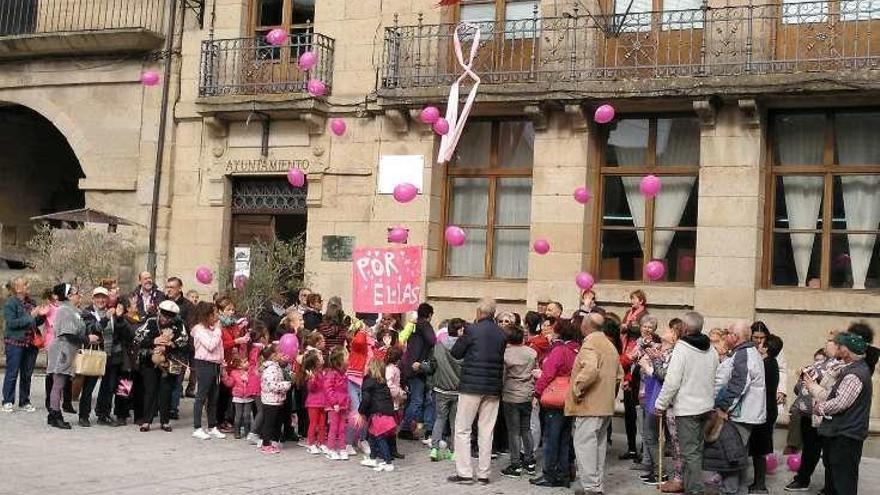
x: 337, y: 247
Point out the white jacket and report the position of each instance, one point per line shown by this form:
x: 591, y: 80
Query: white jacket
x: 740, y: 388
x: 690, y: 377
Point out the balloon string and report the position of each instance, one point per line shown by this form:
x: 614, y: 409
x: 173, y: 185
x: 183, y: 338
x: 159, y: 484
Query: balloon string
x: 457, y: 121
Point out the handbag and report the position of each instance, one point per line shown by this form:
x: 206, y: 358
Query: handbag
x: 90, y: 362
x: 382, y: 425
x: 554, y: 395
x: 37, y: 340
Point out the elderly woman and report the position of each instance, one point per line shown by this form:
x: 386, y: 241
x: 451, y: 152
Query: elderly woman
x: 22, y: 317
x: 70, y: 334
x: 648, y: 344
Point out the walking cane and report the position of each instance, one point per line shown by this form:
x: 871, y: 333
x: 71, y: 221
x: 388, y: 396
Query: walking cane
x: 662, y: 450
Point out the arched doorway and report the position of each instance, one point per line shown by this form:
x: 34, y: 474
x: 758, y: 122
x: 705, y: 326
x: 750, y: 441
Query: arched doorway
x: 40, y: 175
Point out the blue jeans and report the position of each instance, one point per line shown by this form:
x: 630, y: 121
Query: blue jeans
x: 20, y: 363
x: 176, y: 393
x: 379, y: 449
x: 557, y: 442
x: 354, y: 395
x: 430, y: 408
x: 414, y: 409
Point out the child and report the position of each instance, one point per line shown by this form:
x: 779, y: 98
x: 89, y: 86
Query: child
x: 338, y: 402
x: 273, y: 390
x: 518, y: 389
x: 312, y: 375
x: 445, y: 374
x: 398, y: 394
x: 378, y: 416
x: 259, y: 341
x: 238, y: 380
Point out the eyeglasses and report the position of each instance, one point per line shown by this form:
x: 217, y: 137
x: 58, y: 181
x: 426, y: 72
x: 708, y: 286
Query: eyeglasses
x: 505, y: 322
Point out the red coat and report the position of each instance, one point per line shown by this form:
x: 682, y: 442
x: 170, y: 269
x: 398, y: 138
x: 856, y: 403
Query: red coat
x: 315, y: 392
x: 541, y: 345
x: 358, y: 354
x: 559, y: 362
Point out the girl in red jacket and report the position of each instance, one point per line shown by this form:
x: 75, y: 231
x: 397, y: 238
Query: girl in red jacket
x: 238, y: 379
x: 336, y: 394
x: 312, y: 374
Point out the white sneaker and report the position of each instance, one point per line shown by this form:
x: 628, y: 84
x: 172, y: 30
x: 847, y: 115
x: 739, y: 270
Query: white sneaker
x: 201, y: 434
x: 215, y: 433
x: 313, y: 449
x: 343, y: 456
x: 369, y: 462
x: 426, y: 442
x: 253, y: 438
x: 28, y: 408
x: 365, y: 447
x: 333, y: 456
x: 8, y: 407
x: 324, y: 450
x: 383, y: 467
x: 349, y: 449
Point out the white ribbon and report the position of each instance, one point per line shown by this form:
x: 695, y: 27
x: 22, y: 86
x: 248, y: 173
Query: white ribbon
x: 457, y: 121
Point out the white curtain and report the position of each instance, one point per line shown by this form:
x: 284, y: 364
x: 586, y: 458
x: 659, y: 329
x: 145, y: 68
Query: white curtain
x: 470, y: 203
x: 857, y: 144
x: 511, y: 245
x: 803, y: 198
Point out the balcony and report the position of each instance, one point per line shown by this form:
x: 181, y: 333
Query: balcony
x: 35, y: 28
x: 752, y: 48
x: 243, y: 72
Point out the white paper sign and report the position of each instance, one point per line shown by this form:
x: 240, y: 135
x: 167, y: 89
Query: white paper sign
x: 242, y: 257
x: 398, y: 169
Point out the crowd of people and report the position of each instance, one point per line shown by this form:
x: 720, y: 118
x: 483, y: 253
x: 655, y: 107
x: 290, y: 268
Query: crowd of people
x: 539, y: 387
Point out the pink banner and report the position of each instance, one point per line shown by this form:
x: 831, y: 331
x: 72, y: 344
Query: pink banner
x: 386, y: 279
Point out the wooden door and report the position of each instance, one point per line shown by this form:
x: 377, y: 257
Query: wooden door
x: 509, y: 33
x: 648, y: 38
x: 274, y: 68
x: 827, y: 35
x: 247, y: 228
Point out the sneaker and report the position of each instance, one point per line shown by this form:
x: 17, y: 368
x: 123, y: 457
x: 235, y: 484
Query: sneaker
x: 269, y: 449
x: 434, y: 455
x: 28, y: 408
x: 253, y: 438
x: 333, y: 456
x: 461, y: 480
x: 303, y: 443
x: 277, y: 445
x: 313, y: 449
x: 797, y: 486
x: 371, y: 463
x: 384, y: 467
x: 512, y: 471
x: 426, y: 442
x: 8, y: 407
x: 215, y: 433
x: 364, y: 446
x: 201, y: 434
x: 343, y: 455
x: 530, y: 467
x: 349, y: 450
x: 324, y: 450
x: 650, y: 479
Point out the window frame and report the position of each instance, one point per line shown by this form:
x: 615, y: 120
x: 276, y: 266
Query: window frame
x: 493, y: 172
x: 603, y: 170
x: 828, y: 170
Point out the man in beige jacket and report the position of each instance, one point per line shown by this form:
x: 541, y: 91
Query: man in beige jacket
x: 590, y: 400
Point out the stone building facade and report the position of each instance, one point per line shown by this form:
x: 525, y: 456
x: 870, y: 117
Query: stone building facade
x: 760, y: 120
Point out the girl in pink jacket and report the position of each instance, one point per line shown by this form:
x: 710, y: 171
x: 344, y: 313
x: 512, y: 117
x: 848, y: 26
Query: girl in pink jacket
x: 312, y: 374
x: 338, y: 403
x: 238, y: 379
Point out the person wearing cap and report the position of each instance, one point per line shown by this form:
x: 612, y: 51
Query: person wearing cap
x: 845, y: 415
x: 162, y: 341
x: 101, y: 322
x: 70, y: 334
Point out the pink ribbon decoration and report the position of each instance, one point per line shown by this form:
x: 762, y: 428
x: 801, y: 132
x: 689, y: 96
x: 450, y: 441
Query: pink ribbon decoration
x: 456, y: 120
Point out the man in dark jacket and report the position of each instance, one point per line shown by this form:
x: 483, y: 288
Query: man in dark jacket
x: 482, y: 350
x: 147, y: 295
x: 419, y: 348
x: 174, y: 292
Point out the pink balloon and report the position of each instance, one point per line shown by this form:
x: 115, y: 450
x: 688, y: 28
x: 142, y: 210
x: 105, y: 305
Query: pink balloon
x: 772, y: 462
x: 441, y: 126
x: 582, y: 195
x: 398, y: 235
x: 239, y: 281
x: 429, y: 115
x: 584, y: 280
x: 604, y: 114
x: 794, y: 462
x: 455, y: 236
x: 316, y: 87
x: 288, y: 345
x: 405, y: 192
x: 655, y: 270
x: 687, y: 263
x: 150, y: 78
x: 337, y: 126
x: 296, y: 177
x: 204, y: 275
x: 541, y: 246
x: 276, y: 37
x: 650, y: 186
x: 307, y: 61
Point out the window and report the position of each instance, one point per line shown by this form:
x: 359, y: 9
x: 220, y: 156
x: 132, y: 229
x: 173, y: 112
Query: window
x: 632, y: 225
x: 826, y: 199
x: 638, y: 15
x: 294, y: 16
x: 517, y: 17
x: 488, y: 194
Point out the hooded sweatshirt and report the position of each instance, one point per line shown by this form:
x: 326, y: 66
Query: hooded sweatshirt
x: 690, y: 377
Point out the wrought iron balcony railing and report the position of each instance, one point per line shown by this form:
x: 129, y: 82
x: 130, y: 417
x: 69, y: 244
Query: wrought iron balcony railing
x: 40, y: 17
x: 251, y: 66
x: 710, y: 41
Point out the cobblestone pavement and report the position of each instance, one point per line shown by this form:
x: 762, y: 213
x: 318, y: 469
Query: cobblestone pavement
x: 104, y: 460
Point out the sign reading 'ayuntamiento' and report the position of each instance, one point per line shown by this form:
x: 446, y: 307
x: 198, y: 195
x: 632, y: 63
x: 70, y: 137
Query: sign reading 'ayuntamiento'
x: 265, y: 166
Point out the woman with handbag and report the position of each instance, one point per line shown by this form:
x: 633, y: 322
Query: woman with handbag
x: 551, y: 388
x: 161, y: 341
x: 21, y: 316
x: 70, y: 335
